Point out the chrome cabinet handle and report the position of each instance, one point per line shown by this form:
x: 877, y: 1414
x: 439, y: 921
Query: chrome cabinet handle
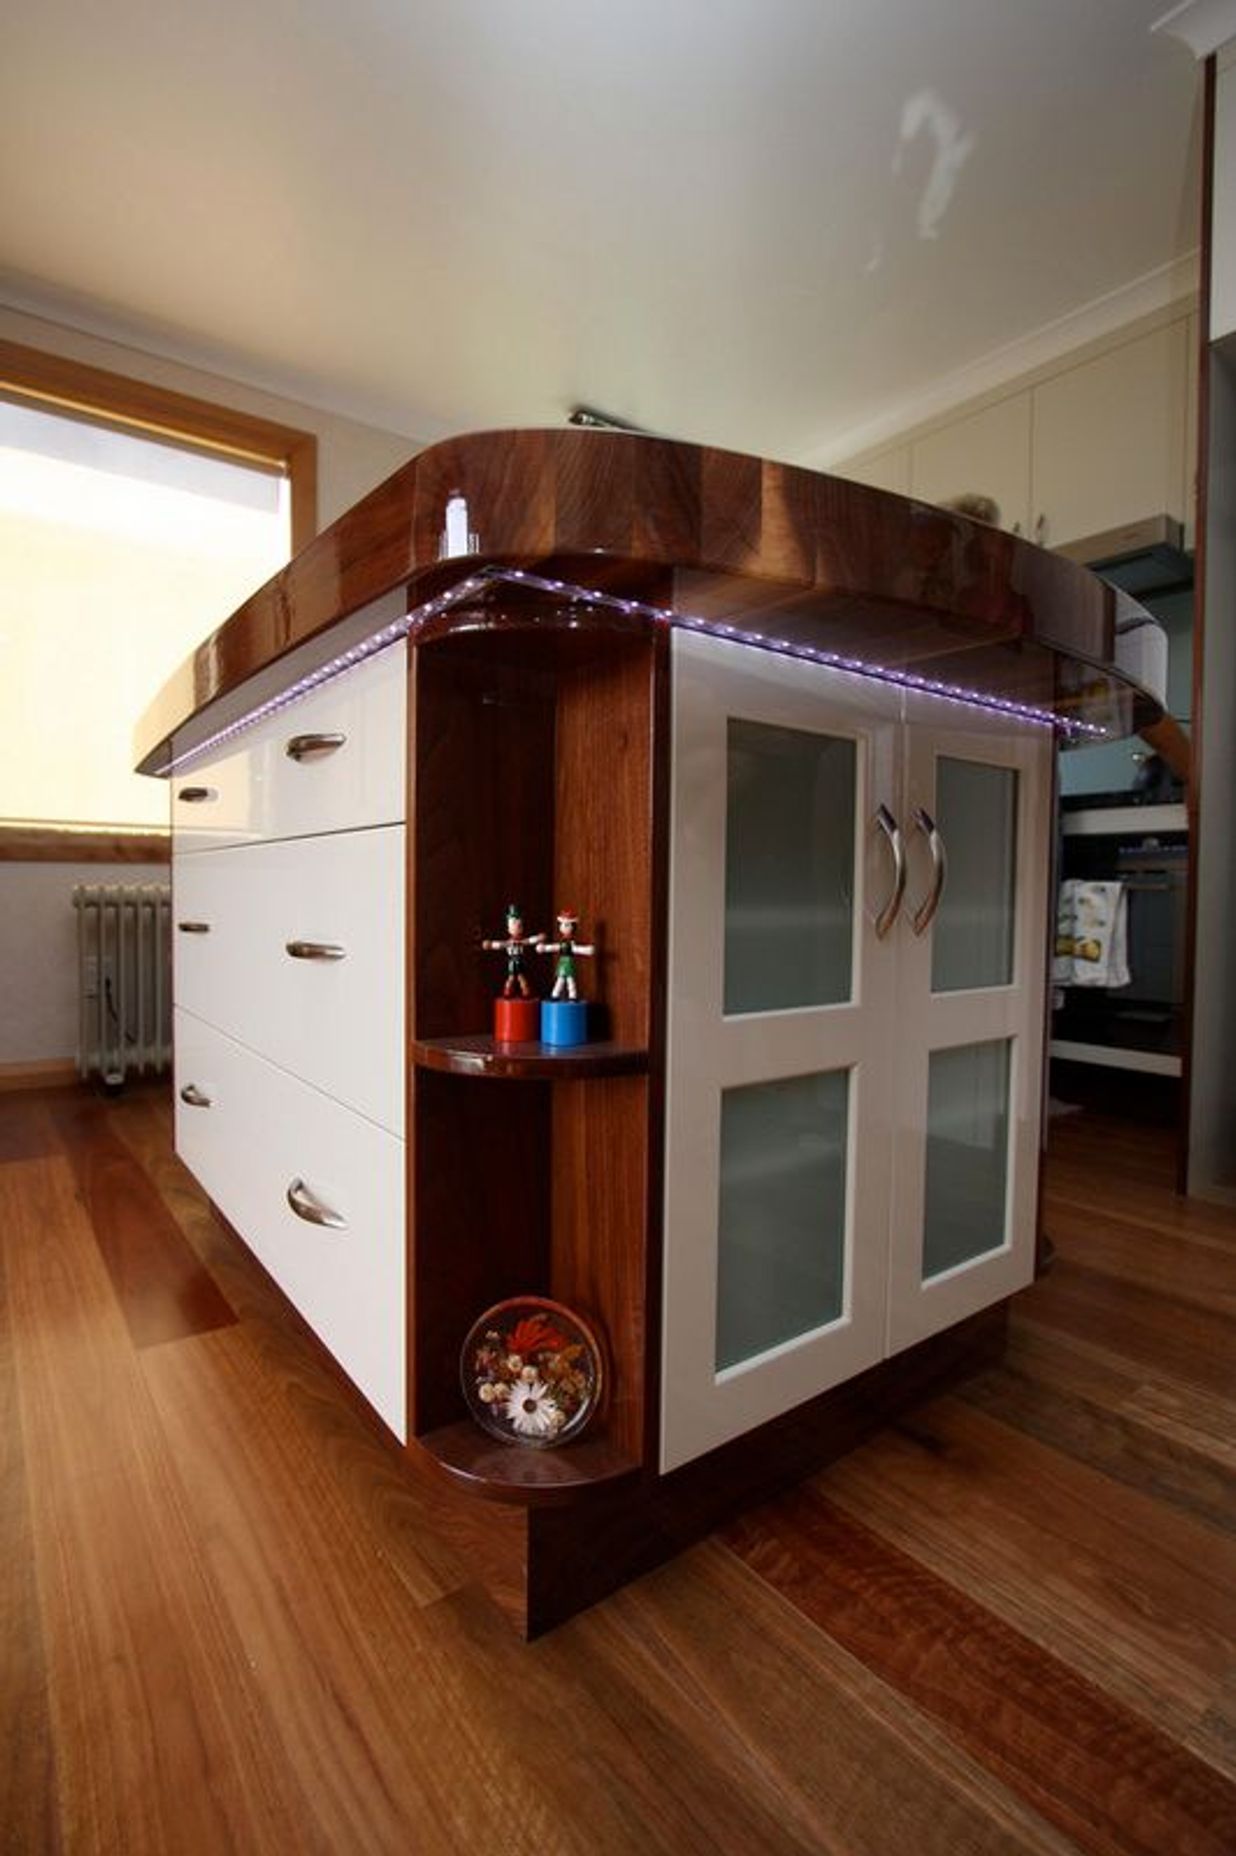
x: 306, y: 747
x: 312, y: 1210
x: 885, y: 822
x: 922, y: 917
x: 195, y: 795
x: 193, y: 927
x: 1040, y: 530
x: 195, y: 1097
x: 314, y: 950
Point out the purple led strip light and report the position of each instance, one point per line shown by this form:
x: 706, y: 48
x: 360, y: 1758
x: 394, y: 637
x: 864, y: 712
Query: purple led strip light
x: 814, y: 654
x: 399, y: 629
x: 381, y: 640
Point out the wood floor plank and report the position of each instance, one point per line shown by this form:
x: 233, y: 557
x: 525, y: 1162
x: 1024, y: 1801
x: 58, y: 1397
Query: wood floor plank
x: 1128, y: 1171
x: 1194, y: 1345
x: 1107, y: 1779
x: 25, y: 1130
x: 323, y: 1618
x: 1196, y: 1269
x: 1201, y: 1426
x: 1097, y: 1190
x: 861, y: 1769
x: 1145, y: 1435
x: 161, y: 1286
x: 349, y: 1446
x: 1008, y: 1627
x: 29, y: 1814
x: 1134, y: 1596
x: 157, y: 1740
x: 434, y: 1723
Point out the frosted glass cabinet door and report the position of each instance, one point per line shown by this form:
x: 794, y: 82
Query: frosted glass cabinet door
x: 781, y: 1213
x: 972, y: 933
x: 970, y: 1016
x: 779, y: 1082
x: 789, y: 867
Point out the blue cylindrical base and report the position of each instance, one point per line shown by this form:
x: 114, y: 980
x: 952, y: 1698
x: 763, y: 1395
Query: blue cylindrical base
x: 564, y: 1021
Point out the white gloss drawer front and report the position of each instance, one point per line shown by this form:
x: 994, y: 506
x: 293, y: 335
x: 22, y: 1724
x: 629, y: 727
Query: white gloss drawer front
x: 332, y: 761
x: 296, y: 949
x: 316, y: 1192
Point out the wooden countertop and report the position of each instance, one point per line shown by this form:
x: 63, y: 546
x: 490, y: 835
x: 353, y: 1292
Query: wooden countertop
x: 808, y: 562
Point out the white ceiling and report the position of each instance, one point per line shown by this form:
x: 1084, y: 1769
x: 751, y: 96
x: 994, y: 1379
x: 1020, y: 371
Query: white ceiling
x: 771, y: 224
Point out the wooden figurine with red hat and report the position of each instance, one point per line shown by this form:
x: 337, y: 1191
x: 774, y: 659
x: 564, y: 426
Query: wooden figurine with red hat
x: 517, y: 1015
x: 564, y: 1015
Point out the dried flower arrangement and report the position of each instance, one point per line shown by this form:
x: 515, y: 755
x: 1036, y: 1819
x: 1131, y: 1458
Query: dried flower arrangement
x: 531, y: 1372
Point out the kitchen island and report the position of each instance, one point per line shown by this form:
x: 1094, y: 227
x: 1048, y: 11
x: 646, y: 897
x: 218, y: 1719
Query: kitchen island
x: 785, y: 745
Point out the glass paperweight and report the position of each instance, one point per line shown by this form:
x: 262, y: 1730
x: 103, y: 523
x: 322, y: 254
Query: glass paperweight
x: 532, y: 1372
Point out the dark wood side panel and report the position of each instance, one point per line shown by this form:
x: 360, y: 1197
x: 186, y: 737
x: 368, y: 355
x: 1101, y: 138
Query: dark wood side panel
x: 483, y: 822
x: 481, y: 1210
x: 599, y: 1236
x: 603, y: 771
x: 579, y: 1555
x: 533, y: 782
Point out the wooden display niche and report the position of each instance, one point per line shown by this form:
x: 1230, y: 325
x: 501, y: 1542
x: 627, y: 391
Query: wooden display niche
x: 534, y: 1171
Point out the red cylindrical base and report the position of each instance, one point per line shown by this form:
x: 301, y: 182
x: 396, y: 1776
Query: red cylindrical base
x: 517, y: 1021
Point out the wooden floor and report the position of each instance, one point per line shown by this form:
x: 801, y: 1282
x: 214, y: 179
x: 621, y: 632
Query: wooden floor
x: 226, y: 1622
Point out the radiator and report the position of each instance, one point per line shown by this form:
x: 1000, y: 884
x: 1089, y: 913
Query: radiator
x: 124, y: 966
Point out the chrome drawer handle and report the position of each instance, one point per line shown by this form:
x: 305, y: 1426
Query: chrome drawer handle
x: 922, y: 917
x: 307, y: 747
x: 887, y: 915
x: 193, y: 927
x: 315, y: 950
x: 312, y: 1210
x: 195, y: 1097
x: 194, y: 795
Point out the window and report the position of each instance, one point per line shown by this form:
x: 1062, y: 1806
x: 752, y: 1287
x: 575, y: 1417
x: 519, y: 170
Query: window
x: 131, y: 524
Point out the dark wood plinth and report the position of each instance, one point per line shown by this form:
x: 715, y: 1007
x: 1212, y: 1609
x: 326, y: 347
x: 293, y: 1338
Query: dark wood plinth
x: 543, y: 1563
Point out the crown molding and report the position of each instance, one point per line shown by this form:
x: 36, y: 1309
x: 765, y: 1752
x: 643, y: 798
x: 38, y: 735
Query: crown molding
x: 1203, y: 25
x: 1167, y: 286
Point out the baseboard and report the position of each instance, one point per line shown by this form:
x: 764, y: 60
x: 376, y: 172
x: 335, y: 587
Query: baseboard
x: 47, y: 1073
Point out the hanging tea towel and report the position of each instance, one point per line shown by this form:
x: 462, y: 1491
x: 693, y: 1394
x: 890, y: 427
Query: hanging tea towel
x: 1092, y: 934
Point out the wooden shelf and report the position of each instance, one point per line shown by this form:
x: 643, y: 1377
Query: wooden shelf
x: 514, y: 1473
x: 482, y: 1055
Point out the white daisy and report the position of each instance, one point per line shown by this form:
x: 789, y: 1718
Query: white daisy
x: 531, y: 1410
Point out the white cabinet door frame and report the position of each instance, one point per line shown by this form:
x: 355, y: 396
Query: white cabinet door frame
x: 710, y: 1052
x: 930, y: 1021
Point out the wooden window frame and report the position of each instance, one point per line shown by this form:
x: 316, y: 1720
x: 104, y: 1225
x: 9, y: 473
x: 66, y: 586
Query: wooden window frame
x: 32, y: 377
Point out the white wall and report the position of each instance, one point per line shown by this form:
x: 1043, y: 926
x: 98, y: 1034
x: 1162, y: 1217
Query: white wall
x: 38, y: 959
x: 38, y: 953
x: 1223, y: 222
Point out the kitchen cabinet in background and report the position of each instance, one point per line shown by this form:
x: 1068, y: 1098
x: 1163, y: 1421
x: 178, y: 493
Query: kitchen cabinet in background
x: 1109, y: 439
x: 1079, y: 448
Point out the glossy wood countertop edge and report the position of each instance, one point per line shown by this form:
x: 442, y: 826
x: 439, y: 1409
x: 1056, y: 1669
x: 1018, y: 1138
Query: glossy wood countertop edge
x: 813, y: 558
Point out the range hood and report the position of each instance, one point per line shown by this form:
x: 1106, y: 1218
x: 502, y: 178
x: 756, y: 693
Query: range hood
x: 1142, y: 557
